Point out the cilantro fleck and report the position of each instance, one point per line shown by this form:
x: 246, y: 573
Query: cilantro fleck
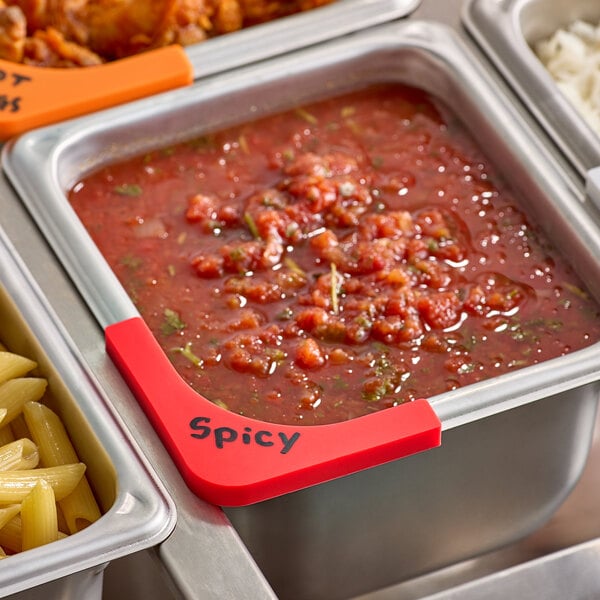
x: 249, y: 220
x: 308, y: 117
x: 172, y: 322
x: 377, y: 162
x: 130, y: 261
x: 577, y: 291
x: 285, y: 315
x: 128, y: 189
x: 186, y: 351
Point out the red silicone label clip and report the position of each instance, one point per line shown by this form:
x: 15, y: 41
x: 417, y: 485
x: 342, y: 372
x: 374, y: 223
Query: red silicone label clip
x: 33, y: 96
x: 231, y: 460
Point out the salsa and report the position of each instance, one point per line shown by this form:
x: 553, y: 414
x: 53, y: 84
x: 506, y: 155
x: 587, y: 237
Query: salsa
x: 334, y: 260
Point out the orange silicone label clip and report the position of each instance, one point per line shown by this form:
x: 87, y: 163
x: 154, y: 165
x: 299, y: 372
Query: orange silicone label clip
x: 34, y: 96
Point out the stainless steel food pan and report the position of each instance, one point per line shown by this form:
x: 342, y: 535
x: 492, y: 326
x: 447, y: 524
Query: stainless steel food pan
x: 137, y: 512
x: 570, y: 573
x: 512, y: 447
x: 507, y: 31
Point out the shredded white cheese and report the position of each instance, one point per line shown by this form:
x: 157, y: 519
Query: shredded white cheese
x: 572, y: 57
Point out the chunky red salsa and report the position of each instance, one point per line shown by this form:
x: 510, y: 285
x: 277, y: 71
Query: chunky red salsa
x: 335, y: 260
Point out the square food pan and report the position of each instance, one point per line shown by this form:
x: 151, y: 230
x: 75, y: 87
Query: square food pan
x: 35, y: 96
x: 336, y: 525
x: 137, y: 513
x: 507, y: 31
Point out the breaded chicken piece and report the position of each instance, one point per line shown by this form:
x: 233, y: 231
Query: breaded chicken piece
x: 13, y: 31
x: 86, y: 32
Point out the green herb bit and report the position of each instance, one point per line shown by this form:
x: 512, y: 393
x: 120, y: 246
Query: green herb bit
x: 248, y: 219
x: 377, y: 162
x: 380, y: 347
x: 565, y: 303
x: 243, y: 142
x: 288, y: 154
x: 285, y: 315
x: 363, y: 321
x: 308, y: 117
x: 186, y: 352
x: 354, y: 126
x: 517, y: 334
x: 237, y: 254
x: 172, y: 322
x: 276, y: 355
x: 335, y: 290
x: 339, y: 383
x: 374, y: 391
x: 540, y: 323
x: 292, y: 265
x: 470, y: 342
x: 518, y: 363
x: 554, y: 324
x: 383, y: 365
x: 577, y: 291
x: 131, y: 261
x: 205, y: 142
x: 128, y: 189
x: 347, y: 111
x: 433, y: 245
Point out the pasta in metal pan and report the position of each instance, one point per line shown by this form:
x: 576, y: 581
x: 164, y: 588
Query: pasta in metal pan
x: 44, y: 493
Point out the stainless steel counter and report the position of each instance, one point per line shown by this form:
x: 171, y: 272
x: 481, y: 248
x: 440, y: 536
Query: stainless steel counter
x: 561, y: 560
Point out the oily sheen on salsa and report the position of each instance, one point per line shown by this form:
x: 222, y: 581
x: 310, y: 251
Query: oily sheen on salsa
x: 335, y: 260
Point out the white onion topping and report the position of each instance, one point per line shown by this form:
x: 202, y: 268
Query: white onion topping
x: 572, y: 57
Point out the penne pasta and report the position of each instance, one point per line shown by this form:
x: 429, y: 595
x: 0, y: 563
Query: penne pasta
x: 15, y: 485
x: 19, y: 427
x: 62, y: 523
x: 6, y: 434
x: 7, y: 513
x: 39, y: 525
x: 14, y: 365
x: 49, y: 434
x: 15, y: 392
x: 11, y: 534
x: 44, y: 491
x: 79, y: 508
x: 20, y: 454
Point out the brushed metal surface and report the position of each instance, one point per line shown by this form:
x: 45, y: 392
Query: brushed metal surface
x: 558, y: 561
